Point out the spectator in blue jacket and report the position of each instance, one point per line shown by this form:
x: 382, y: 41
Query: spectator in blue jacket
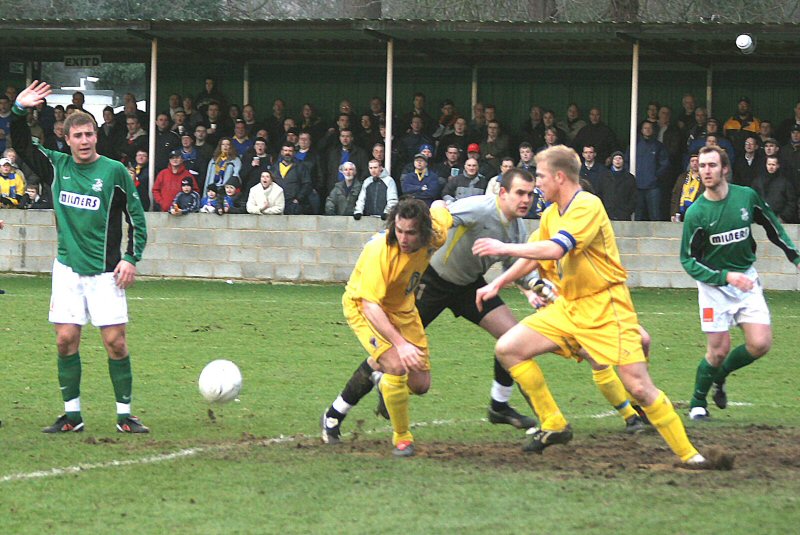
x: 652, y: 161
x: 422, y: 183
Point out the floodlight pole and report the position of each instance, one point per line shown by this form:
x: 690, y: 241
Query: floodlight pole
x: 634, y: 107
x: 389, y: 105
x: 151, y: 149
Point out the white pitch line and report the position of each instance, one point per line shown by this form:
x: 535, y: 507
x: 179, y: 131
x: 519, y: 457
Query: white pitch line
x: 191, y: 452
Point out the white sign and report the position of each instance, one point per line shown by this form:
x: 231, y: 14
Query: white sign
x: 82, y: 61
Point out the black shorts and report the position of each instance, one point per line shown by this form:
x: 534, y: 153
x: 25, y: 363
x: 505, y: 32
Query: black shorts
x: 434, y: 294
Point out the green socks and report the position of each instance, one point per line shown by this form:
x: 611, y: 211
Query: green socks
x: 122, y: 379
x: 737, y: 358
x: 705, y: 376
x: 69, y: 380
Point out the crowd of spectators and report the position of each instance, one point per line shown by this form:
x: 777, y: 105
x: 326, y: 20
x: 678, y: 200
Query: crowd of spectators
x: 214, y: 156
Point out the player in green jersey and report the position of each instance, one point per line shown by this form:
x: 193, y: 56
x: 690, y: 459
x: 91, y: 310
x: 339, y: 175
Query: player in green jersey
x: 718, y: 251
x: 92, y: 194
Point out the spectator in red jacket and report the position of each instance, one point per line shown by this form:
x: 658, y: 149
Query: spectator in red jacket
x: 168, y: 181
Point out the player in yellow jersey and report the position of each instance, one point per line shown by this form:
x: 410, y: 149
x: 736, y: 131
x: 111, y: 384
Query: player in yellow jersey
x: 380, y: 307
x: 577, y: 244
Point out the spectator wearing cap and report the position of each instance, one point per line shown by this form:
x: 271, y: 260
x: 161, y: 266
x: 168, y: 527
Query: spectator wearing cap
x: 168, y: 182
x: 790, y: 156
x: 474, y: 151
x: 12, y: 185
x: 186, y: 201
x: 750, y: 163
x: 266, y: 197
x: 109, y: 134
x: 741, y: 123
x: 770, y: 148
x: 457, y: 137
x: 422, y: 183
x: 427, y: 150
x: 447, y: 120
x: 241, y: 141
x: 344, y: 195
x: 293, y: 136
x: 346, y: 151
x: 411, y: 141
x: 193, y: 159
x: 166, y: 141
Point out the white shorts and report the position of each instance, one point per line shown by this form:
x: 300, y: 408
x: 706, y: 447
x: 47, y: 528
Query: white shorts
x: 722, y: 307
x: 76, y: 299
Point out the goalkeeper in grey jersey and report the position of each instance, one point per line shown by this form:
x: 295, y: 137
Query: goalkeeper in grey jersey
x: 92, y: 195
x: 451, y: 281
x: 718, y: 251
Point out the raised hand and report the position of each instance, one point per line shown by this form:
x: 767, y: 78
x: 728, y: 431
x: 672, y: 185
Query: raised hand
x: 34, y: 94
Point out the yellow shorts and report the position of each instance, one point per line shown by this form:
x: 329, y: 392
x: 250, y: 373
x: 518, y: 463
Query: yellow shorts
x: 409, y: 325
x: 604, y: 324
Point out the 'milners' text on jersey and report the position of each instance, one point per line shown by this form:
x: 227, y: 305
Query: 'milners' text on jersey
x: 90, y: 201
x: 717, y: 237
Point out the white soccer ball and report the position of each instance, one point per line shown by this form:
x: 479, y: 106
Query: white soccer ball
x: 220, y: 381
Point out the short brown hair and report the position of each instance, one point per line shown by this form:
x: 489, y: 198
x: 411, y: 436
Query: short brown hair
x: 723, y: 156
x: 508, y: 177
x: 561, y: 158
x: 78, y: 118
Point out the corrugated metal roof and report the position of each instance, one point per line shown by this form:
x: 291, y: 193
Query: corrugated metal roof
x: 470, y: 42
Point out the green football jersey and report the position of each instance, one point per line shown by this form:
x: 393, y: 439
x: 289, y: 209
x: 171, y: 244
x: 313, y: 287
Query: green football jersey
x: 90, y: 201
x: 717, y: 237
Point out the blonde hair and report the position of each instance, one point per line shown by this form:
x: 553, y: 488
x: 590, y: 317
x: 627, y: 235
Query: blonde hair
x: 561, y: 158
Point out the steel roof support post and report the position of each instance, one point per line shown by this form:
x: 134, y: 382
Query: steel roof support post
x: 246, y: 83
x: 709, y: 90
x: 634, y: 107
x: 474, y: 89
x: 389, y: 105
x: 151, y: 131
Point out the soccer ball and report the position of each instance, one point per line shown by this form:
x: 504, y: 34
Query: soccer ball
x: 220, y: 381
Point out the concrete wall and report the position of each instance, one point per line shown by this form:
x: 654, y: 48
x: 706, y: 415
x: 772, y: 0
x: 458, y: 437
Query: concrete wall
x: 324, y: 249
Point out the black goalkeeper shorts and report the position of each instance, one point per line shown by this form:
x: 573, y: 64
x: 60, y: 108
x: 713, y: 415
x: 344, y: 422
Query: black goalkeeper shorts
x: 434, y: 294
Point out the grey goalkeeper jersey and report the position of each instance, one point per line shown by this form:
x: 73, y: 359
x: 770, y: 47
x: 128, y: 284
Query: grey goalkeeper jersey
x: 473, y: 218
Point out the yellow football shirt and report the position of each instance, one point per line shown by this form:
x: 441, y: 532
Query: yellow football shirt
x: 385, y: 276
x: 591, y: 261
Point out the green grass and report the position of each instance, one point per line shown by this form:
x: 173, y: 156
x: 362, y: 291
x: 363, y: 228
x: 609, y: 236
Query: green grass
x: 295, y: 352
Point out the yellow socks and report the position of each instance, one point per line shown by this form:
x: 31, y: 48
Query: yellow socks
x: 611, y: 387
x: 664, y: 418
x: 395, y: 395
x: 529, y: 376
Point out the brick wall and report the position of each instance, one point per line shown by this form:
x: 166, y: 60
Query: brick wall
x: 324, y: 249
